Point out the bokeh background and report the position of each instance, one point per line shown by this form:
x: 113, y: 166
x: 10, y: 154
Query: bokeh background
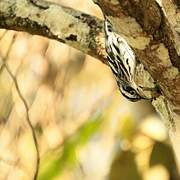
x: 86, y: 130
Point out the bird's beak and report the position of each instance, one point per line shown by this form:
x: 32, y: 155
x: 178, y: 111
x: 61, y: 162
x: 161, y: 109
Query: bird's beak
x: 147, y: 98
x: 143, y: 96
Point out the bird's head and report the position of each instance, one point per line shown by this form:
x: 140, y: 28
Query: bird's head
x: 131, y: 91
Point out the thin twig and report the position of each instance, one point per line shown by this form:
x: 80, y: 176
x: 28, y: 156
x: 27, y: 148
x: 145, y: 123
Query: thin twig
x: 28, y: 120
x: 26, y: 108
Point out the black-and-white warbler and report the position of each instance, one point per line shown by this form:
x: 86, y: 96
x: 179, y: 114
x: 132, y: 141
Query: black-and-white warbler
x: 122, y: 61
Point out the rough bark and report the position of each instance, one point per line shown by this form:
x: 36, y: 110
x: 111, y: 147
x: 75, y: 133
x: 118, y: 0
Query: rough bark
x: 151, y: 27
x: 64, y: 24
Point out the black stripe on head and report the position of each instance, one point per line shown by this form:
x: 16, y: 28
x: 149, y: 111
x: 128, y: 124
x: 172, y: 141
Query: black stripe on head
x: 128, y: 92
x: 132, y: 99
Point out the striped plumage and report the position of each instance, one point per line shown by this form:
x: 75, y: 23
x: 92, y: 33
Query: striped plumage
x: 122, y: 61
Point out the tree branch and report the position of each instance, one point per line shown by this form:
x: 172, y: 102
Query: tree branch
x: 64, y: 24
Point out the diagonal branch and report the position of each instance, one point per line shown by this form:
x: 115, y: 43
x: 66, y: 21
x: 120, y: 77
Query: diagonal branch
x: 64, y: 24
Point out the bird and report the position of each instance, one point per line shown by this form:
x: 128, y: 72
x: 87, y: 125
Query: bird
x: 122, y: 62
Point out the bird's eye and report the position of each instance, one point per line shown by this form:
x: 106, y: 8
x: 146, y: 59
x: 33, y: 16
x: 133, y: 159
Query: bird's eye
x: 129, y: 89
x: 133, y: 92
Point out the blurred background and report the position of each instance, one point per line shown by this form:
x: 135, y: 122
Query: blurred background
x: 86, y: 130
